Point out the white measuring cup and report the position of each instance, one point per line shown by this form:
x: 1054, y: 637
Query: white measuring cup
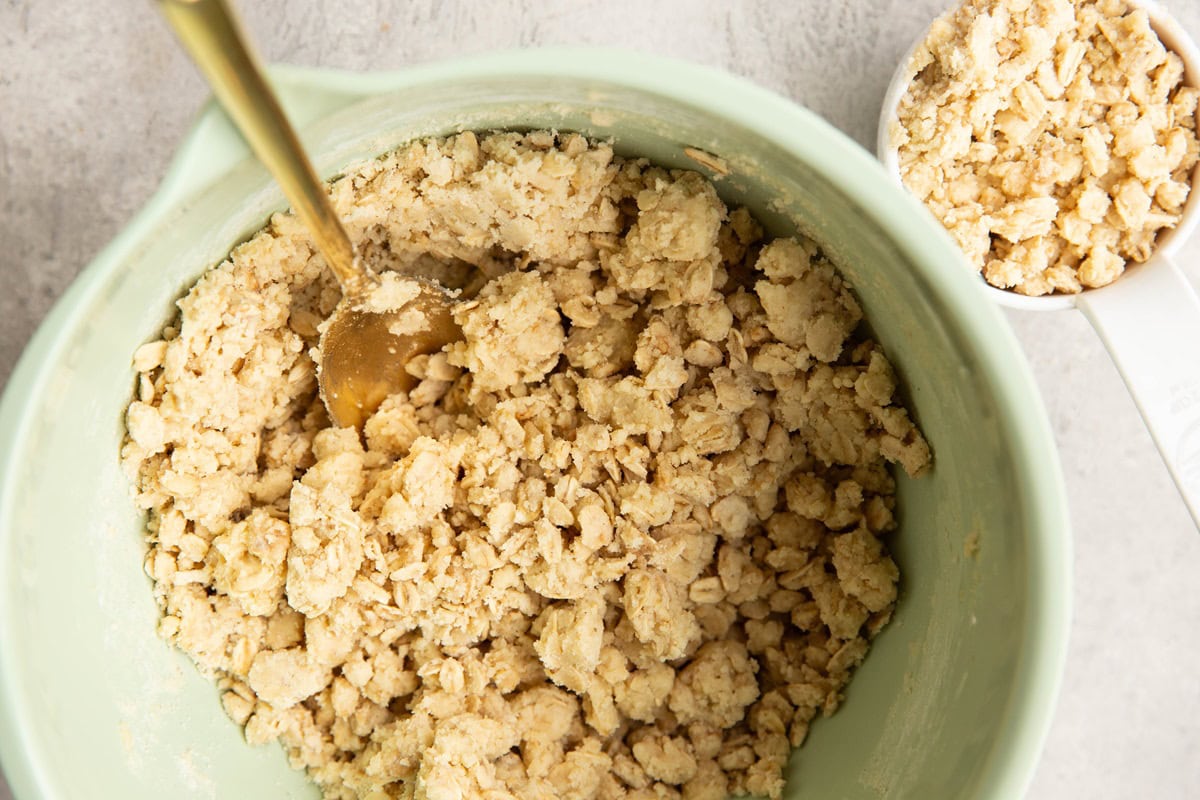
x: 1149, y: 318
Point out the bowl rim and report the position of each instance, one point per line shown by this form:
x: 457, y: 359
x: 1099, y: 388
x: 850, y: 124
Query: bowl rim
x: 937, y: 264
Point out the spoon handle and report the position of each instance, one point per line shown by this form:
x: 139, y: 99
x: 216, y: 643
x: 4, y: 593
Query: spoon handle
x: 1149, y: 320
x: 213, y: 37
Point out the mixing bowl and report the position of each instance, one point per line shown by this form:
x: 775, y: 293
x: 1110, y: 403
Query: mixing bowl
x: 956, y: 695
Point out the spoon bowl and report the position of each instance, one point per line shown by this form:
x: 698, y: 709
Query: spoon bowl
x: 364, y: 350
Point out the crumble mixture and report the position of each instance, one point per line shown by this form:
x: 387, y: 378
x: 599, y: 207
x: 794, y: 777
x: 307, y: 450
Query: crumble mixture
x: 1054, y: 139
x: 621, y: 541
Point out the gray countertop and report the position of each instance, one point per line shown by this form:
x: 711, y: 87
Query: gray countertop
x: 95, y: 96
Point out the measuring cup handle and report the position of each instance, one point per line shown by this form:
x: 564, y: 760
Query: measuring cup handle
x: 1150, y: 322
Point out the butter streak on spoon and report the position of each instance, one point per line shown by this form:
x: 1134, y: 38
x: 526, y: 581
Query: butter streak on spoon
x: 379, y: 325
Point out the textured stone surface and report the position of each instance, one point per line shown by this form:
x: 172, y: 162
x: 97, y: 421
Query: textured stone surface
x: 94, y: 97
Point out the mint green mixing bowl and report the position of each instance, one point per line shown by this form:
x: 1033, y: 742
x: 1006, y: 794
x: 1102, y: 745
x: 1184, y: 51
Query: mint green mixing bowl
x: 955, y: 697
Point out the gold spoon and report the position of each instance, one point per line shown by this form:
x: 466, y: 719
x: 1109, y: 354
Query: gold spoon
x: 364, y: 347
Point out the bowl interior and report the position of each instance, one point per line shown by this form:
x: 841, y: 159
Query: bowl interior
x: 953, y: 698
